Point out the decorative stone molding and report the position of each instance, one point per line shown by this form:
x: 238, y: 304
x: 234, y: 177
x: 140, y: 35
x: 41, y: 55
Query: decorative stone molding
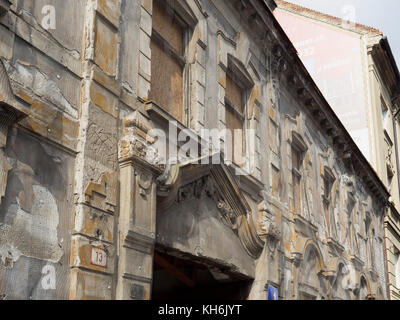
x: 103, y: 195
x: 266, y: 223
x: 206, y: 187
x: 137, y: 145
x: 188, y: 181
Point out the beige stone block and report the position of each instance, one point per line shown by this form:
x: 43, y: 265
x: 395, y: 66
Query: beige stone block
x: 145, y: 43
x: 90, y: 286
x: 50, y: 123
x: 127, y: 289
x: 91, y: 255
x: 106, y: 47
x: 145, y: 21
x: 103, y: 195
x: 139, y: 263
x: 106, y: 81
x: 7, y: 43
x: 97, y: 224
x: 200, y: 73
x: 145, y: 67
x: 143, y: 88
x: 110, y: 9
x: 104, y: 99
x: 148, y: 5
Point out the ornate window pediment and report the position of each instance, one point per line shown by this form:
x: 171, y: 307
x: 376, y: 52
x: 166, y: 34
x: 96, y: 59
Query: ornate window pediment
x: 238, y: 68
x: 298, y: 142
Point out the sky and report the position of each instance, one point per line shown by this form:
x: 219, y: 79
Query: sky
x: 383, y: 15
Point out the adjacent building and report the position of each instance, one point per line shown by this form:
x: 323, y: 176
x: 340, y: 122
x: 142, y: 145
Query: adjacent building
x: 95, y: 205
x: 354, y: 68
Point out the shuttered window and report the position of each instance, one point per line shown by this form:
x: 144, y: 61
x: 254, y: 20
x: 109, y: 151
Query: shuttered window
x: 234, y: 102
x: 296, y: 179
x: 167, y: 60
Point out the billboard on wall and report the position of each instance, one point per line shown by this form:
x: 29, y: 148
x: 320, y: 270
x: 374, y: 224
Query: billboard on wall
x: 333, y: 58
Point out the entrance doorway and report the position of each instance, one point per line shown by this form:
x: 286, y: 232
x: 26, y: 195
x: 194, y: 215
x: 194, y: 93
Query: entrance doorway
x: 177, y: 278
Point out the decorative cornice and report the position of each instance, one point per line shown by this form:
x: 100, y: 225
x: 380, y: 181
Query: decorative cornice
x: 288, y: 66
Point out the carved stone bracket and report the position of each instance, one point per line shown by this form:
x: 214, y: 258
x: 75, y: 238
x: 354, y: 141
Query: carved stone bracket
x: 266, y: 227
x: 137, y: 145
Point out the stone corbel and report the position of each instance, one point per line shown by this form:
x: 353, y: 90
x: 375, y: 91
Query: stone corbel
x: 137, y: 145
x: 266, y: 224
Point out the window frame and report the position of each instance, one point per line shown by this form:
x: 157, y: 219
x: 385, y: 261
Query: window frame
x: 237, y: 72
x: 328, y: 179
x: 390, y: 176
x: 297, y: 174
x: 187, y: 33
x: 300, y: 146
x: 384, y: 113
x: 397, y: 267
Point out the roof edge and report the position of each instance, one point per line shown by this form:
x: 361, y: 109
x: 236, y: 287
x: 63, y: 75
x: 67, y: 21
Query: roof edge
x: 332, y: 20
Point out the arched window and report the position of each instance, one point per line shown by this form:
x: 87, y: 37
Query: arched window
x: 311, y: 282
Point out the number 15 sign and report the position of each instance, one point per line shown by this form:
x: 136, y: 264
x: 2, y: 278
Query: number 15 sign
x: 98, y: 257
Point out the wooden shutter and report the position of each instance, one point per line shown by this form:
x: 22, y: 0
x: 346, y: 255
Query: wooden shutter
x: 166, y: 68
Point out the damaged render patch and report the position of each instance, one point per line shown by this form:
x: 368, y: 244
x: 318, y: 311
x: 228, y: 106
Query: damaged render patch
x: 9, y: 254
x: 43, y: 86
x: 32, y: 234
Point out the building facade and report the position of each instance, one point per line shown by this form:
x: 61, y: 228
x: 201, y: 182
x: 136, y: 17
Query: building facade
x: 354, y: 67
x: 96, y: 108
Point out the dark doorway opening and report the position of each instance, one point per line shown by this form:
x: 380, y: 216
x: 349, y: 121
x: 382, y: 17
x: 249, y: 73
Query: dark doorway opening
x: 177, y: 278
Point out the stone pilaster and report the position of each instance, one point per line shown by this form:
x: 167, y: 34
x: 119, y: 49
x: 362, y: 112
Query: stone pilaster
x: 137, y: 221
x: 92, y: 255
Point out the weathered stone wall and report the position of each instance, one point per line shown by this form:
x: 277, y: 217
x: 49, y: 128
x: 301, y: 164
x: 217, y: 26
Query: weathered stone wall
x: 44, y: 71
x: 80, y: 179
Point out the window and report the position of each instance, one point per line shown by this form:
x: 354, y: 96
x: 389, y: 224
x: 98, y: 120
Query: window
x: 275, y: 181
x: 328, y: 179
x: 296, y: 179
x: 168, y: 59
x: 384, y: 113
x: 234, y: 116
x: 274, y: 136
x: 327, y: 197
x: 389, y: 177
x: 397, y: 267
